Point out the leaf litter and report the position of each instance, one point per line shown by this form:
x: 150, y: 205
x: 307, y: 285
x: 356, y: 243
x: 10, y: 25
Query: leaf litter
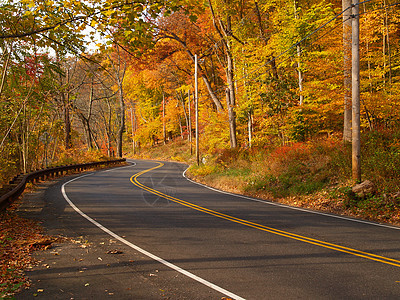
x: 19, y: 237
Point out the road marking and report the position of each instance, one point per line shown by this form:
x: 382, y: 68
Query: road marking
x: 118, y: 168
x: 366, y: 255
x: 291, y: 207
x: 137, y: 248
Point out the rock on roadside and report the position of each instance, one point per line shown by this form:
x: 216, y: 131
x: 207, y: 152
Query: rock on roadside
x: 367, y: 187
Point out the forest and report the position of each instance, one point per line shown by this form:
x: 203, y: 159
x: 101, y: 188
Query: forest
x: 82, y: 81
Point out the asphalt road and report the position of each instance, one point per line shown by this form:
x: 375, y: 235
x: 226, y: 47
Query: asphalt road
x: 149, y: 233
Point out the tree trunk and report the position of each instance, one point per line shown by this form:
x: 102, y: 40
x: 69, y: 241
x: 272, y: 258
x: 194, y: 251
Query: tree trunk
x: 300, y: 73
x: 250, y: 128
x: 231, y: 119
x: 163, y: 118
x: 121, y: 119
x: 214, y: 97
x: 225, y: 32
x: 66, y: 106
x: 272, y: 62
x: 133, y: 119
x: 388, y: 43
x: 5, y: 67
x: 182, y: 99
x: 89, y: 115
x: 231, y: 103
x: 119, y: 71
x: 67, y: 124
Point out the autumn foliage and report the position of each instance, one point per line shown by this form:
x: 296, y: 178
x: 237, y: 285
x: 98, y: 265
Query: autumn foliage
x: 270, y: 79
x: 86, y: 80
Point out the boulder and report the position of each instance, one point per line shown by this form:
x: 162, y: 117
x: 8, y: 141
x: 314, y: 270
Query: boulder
x: 364, y: 188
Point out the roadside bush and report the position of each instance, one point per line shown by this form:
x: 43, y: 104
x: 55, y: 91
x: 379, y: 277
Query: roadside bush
x: 298, y: 169
x: 381, y: 159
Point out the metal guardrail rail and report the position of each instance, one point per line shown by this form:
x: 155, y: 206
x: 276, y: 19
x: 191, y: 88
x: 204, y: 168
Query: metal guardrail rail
x: 17, y: 185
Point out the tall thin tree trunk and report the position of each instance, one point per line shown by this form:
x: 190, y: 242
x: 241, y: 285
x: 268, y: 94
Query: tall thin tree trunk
x: 3, y: 77
x: 65, y: 99
x: 133, y: 130
x: 181, y: 127
x: 24, y: 140
x: 231, y: 100
x: 121, y: 119
x: 386, y: 47
x: 67, y: 124
x: 206, y: 81
x: 181, y: 97
x: 272, y: 61
x: 163, y: 119
x: 225, y: 32
x: 119, y: 71
x: 89, y: 130
x: 250, y: 128
x: 299, y: 72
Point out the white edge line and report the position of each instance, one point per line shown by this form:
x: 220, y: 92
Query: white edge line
x: 137, y: 248
x: 118, y: 168
x: 289, y: 207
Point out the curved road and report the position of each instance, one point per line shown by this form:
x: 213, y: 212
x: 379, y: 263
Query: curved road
x: 204, y: 244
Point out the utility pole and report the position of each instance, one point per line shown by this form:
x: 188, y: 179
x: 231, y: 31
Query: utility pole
x: 355, y: 51
x: 347, y: 23
x: 190, y: 123
x: 196, y: 100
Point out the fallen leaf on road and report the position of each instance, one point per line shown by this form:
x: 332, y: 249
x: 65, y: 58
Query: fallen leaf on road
x: 114, y: 252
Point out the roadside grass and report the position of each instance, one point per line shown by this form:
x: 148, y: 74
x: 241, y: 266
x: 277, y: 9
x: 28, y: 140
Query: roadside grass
x: 178, y: 150
x: 314, y: 174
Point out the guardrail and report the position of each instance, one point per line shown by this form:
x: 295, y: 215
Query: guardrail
x: 17, y: 185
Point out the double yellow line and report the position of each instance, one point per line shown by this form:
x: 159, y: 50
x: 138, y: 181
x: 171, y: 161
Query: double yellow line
x: 366, y: 255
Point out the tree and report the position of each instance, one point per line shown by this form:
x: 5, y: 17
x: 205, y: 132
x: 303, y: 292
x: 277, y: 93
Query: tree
x: 223, y: 25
